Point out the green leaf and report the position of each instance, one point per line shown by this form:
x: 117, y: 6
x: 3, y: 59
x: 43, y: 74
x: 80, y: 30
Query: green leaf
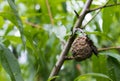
x: 10, y: 16
x: 99, y: 34
x: 17, y: 18
x: 10, y: 63
x: 12, y: 5
x: 1, y: 22
x: 13, y: 39
x: 115, y: 1
x: 114, y: 55
x: 97, y: 68
x: 114, y: 65
x: 107, y: 19
x: 114, y: 69
x: 79, y: 78
x: 49, y: 79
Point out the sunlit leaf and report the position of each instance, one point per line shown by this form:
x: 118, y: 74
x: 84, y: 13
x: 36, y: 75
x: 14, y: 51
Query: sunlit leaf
x: 13, y: 39
x: 10, y: 16
x: 1, y: 22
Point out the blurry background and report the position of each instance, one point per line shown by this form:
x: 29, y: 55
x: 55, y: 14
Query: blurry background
x: 47, y: 25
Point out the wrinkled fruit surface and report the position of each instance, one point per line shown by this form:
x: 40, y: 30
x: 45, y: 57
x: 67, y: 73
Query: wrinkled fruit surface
x: 82, y: 48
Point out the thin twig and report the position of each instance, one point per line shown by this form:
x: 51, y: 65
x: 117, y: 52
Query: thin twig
x: 32, y: 24
x: 108, y: 48
x: 49, y: 12
x: 94, y: 15
x: 76, y: 13
x: 104, y: 6
x: 91, y: 19
x: 66, y: 49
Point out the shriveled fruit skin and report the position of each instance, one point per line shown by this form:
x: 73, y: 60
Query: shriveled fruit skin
x: 82, y: 48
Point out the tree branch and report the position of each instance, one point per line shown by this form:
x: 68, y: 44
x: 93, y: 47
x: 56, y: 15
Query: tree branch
x: 82, y: 15
x: 65, y: 51
x: 104, y: 6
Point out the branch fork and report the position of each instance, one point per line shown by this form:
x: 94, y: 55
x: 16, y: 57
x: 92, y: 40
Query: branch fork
x: 65, y: 51
x: 78, y: 24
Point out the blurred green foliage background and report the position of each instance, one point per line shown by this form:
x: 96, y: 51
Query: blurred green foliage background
x: 34, y: 32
